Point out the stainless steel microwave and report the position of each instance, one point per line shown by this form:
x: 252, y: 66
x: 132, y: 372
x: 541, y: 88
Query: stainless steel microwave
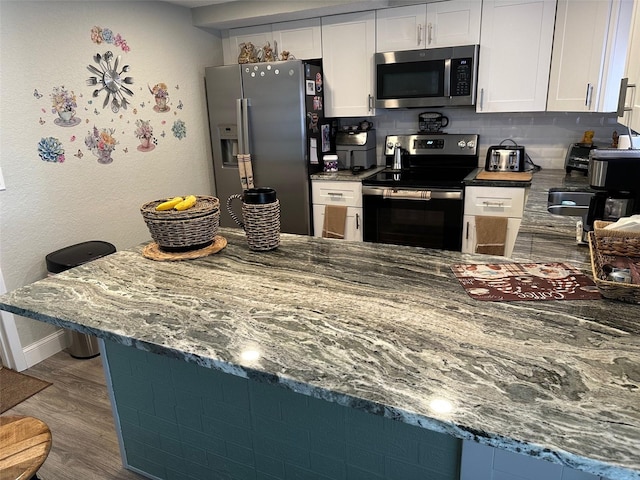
x: 436, y: 77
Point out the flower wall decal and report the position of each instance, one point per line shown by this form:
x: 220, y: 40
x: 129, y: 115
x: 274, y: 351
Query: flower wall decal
x: 50, y: 150
x: 179, y: 129
x: 64, y: 104
x: 144, y: 132
x: 105, y: 35
x: 101, y: 143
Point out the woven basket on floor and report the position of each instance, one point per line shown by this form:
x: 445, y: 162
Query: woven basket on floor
x: 605, y: 245
x: 189, y: 229
x: 262, y: 225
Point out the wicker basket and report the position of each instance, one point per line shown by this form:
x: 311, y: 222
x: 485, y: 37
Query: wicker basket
x: 605, y: 245
x: 185, y: 230
x: 262, y: 225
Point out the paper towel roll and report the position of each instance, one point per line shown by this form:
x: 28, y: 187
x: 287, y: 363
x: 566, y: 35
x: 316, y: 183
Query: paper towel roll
x: 623, y: 142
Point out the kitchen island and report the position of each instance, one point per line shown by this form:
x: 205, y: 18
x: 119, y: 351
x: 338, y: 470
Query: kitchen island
x: 302, y: 362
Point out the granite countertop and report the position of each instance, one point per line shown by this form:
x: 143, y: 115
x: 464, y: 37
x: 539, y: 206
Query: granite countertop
x: 386, y: 329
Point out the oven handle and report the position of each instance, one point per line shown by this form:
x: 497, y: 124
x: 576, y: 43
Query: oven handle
x: 407, y: 194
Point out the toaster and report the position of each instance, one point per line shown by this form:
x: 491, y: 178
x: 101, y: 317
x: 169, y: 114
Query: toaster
x: 505, y: 158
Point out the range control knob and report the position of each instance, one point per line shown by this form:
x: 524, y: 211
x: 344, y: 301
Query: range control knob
x: 471, y: 144
x: 462, y: 144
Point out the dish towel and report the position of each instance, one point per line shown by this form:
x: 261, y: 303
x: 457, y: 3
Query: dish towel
x: 335, y: 217
x: 491, y: 235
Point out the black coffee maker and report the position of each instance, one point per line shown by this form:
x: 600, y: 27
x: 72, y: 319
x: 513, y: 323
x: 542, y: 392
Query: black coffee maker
x: 615, y: 175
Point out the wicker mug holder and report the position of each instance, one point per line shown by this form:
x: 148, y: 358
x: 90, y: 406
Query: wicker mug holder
x: 260, y: 221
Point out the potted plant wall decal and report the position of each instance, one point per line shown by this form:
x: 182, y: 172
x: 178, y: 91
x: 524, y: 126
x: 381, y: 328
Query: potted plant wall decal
x: 64, y: 104
x: 160, y: 93
x: 101, y: 143
x: 144, y: 132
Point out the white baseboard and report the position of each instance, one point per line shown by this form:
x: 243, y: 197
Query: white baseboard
x: 46, y: 347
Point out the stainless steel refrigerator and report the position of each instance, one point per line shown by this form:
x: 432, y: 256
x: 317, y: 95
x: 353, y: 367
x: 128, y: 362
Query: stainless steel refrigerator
x: 278, y: 107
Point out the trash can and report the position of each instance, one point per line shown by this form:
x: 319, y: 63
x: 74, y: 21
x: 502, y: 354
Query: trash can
x: 82, y: 345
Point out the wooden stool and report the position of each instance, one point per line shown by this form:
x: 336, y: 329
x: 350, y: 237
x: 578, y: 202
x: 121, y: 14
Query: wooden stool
x: 24, y: 445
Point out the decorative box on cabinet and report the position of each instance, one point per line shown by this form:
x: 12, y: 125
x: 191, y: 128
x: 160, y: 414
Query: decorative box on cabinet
x: 440, y: 24
x: 589, y: 51
x: 492, y: 202
x: 348, y: 46
x: 515, y: 50
x: 345, y: 193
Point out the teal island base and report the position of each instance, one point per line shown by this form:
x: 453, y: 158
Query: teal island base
x: 181, y: 421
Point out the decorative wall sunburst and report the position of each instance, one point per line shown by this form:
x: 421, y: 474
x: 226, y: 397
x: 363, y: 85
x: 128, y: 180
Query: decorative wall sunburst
x: 111, y: 80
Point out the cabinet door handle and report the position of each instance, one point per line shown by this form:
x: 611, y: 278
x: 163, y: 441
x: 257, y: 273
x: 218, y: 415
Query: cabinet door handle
x: 370, y: 102
x: 467, y: 234
x: 429, y: 33
x: 357, y: 221
x: 481, y: 98
x: 419, y: 34
x: 334, y: 194
x: 487, y: 203
x: 587, y: 98
x: 622, y: 97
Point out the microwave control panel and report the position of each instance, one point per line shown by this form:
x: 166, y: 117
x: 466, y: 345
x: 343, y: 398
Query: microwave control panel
x: 461, y: 77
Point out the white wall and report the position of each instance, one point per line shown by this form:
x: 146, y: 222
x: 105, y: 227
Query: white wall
x: 50, y: 205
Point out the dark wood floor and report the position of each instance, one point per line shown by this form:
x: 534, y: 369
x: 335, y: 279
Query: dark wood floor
x: 77, y: 410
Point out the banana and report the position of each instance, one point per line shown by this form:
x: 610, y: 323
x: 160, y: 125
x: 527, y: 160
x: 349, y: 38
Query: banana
x: 169, y: 204
x: 188, y: 202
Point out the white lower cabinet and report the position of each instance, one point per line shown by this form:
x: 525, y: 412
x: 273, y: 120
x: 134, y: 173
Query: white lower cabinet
x: 492, y: 202
x: 481, y: 462
x: 342, y: 193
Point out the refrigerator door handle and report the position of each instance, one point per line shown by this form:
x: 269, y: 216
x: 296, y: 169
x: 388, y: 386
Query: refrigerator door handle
x: 239, y: 124
x: 245, y: 125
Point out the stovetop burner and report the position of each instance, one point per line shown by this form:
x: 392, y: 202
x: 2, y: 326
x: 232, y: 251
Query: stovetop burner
x: 434, y: 178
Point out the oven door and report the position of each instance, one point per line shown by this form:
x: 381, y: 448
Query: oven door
x: 421, y: 218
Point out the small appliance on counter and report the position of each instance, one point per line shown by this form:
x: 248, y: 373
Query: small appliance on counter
x: 356, y: 149
x: 505, y: 158
x: 614, y: 174
x: 578, y: 157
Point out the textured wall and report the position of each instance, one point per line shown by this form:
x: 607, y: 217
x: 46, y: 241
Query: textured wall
x: 48, y: 205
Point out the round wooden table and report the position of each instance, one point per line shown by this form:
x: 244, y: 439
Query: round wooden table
x: 24, y: 445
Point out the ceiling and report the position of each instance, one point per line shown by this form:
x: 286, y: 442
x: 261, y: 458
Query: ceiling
x: 196, y: 3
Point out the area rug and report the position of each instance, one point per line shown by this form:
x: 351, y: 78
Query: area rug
x: 504, y: 282
x: 16, y: 387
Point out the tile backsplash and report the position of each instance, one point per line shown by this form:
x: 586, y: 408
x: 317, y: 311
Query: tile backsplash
x: 545, y: 135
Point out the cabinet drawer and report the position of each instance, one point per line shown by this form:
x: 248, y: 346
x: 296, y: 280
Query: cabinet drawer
x: 494, y: 201
x: 348, y: 194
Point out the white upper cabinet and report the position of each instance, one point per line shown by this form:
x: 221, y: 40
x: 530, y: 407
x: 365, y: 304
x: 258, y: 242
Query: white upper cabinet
x: 259, y: 36
x: 302, y: 39
x: 515, y: 55
x: 348, y: 46
x: 452, y: 23
x: 630, y: 96
x: 589, y: 51
x: 440, y: 24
